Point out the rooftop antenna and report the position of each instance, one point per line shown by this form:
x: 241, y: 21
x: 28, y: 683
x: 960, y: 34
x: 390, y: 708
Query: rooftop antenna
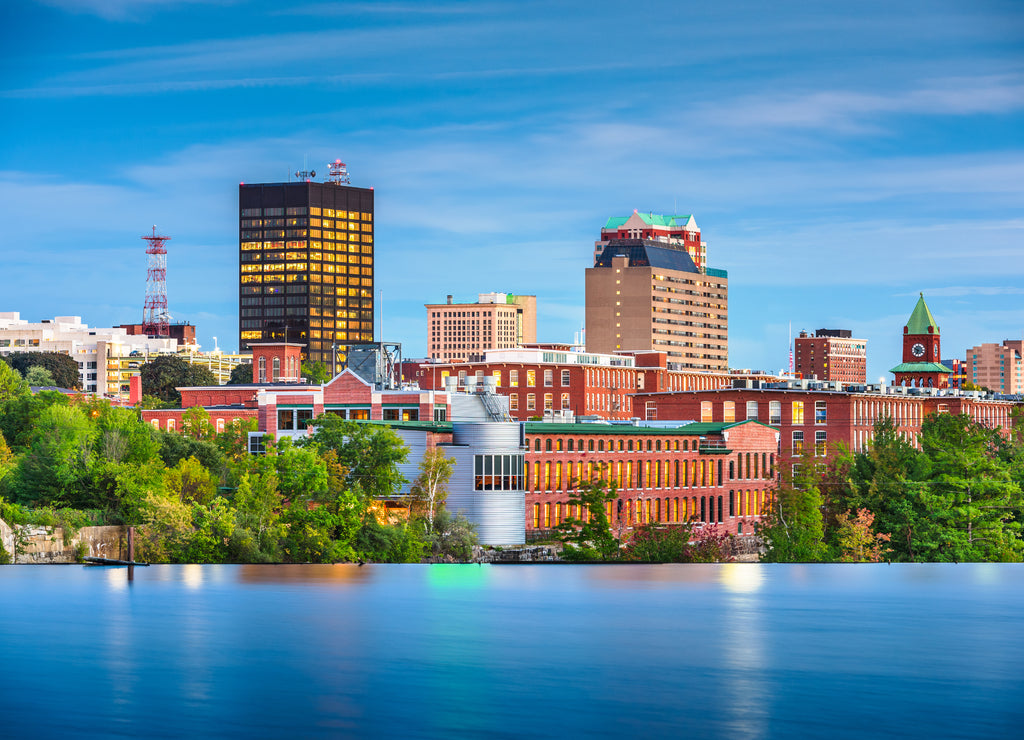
x: 790, y: 347
x: 305, y: 174
x: 338, y: 173
x: 154, y: 312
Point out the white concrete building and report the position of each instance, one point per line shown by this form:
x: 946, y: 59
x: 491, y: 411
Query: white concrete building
x: 90, y: 347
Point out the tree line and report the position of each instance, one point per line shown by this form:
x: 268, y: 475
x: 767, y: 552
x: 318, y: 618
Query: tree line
x: 198, y: 496
x: 956, y: 497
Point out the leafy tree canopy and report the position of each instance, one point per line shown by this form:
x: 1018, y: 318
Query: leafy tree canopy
x: 162, y: 375
x: 63, y: 370
x: 241, y: 374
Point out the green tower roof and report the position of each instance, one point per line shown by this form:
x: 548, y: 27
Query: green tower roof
x: 921, y: 319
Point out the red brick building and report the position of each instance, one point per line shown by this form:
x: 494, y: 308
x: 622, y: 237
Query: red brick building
x: 540, y: 381
x: 813, y: 421
x: 711, y: 473
x: 831, y: 354
x: 285, y: 406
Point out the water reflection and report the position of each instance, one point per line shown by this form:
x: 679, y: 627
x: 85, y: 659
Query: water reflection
x: 737, y: 650
x: 743, y: 648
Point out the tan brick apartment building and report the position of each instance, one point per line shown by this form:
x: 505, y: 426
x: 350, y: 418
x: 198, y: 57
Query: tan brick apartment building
x: 997, y: 367
x: 457, y: 332
x: 650, y: 289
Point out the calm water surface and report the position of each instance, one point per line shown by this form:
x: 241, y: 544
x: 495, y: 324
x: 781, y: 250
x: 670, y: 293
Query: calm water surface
x: 738, y: 651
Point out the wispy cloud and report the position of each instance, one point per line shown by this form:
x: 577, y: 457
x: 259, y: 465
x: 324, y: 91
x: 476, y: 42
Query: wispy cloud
x: 126, y: 10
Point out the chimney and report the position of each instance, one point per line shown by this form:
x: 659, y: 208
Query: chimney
x: 449, y: 300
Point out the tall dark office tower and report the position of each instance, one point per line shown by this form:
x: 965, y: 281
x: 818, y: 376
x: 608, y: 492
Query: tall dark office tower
x: 305, y: 253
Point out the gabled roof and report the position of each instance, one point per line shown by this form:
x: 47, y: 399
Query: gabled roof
x: 921, y: 319
x: 652, y: 219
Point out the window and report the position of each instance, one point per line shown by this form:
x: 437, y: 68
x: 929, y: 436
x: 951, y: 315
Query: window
x: 775, y: 412
x: 497, y: 378
x: 728, y: 411
x: 819, y: 443
x: 798, y: 442
x: 549, y: 378
x: 498, y: 472
x: 820, y: 416
x: 565, y: 377
x: 798, y: 412
x: 263, y: 370
x: 752, y: 410
x: 531, y: 401
x: 705, y: 411
x: 513, y: 378
x: 531, y: 378
x: 513, y: 402
x: 549, y: 402
x: 565, y: 400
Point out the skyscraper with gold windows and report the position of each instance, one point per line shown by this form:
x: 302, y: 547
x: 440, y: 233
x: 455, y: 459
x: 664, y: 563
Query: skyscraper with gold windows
x: 306, y: 258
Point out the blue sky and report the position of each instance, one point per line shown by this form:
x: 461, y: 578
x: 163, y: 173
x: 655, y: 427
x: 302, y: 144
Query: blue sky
x: 839, y: 157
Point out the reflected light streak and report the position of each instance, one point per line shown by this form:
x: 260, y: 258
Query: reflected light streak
x: 117, y: 579
x: 741, y: 578
x: 744, y: 649
x: 192, y: 576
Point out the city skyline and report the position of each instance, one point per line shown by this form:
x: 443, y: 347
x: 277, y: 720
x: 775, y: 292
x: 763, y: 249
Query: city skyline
x: 837, y: 161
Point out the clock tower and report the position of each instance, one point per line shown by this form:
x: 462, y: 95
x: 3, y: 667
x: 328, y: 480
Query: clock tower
x: 921, y: 364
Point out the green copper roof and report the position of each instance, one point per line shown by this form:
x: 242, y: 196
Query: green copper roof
x: 921, y: 319
x: 651, y: 219
x: 920, y: 367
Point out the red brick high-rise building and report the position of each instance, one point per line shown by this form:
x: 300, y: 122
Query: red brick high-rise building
x: 831, y: 354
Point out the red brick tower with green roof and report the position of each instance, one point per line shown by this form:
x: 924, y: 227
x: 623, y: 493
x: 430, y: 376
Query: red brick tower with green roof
x: 921, y: 365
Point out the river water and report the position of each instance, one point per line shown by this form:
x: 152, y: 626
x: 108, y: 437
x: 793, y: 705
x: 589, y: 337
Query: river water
x: 465, y: 651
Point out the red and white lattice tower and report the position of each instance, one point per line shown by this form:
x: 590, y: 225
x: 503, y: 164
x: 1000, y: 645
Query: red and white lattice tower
x: 338, y: 173
x: 154, y: 315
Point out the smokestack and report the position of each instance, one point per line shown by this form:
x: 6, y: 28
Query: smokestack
x: 449, y: 300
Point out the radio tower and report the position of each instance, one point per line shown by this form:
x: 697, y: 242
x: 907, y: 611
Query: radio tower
x: 154, y: 315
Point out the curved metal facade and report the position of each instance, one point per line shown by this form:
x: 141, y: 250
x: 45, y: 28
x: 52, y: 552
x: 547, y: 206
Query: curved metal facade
x: 499, y: 516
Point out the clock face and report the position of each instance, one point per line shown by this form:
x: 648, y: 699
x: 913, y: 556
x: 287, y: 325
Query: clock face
x: 918, y: 350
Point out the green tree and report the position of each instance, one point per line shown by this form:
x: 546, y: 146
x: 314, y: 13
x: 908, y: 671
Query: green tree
x: 315, y: 372
x: 451, y: 536
x: 792, y: 528
x: 62, y: 368
x: 589, y: 536
x: 164, y: 374
x: 369, y: 454
x: 191, y: 482
x: 430, y: 489
x: 54, y: 467
x: 977, y: 501
x: 11, y: 383
x: 38, y: 376
x: 241, y: 374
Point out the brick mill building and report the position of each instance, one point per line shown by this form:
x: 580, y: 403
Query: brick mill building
x: 546, y: 381
x: 718, y: 473
x: 650, y: 289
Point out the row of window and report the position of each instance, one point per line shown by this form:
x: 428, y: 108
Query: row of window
x: 641, y: 511
x: 304, y: 211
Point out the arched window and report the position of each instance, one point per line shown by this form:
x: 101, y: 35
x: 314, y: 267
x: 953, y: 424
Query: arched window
x: 263, y: 370
x: 547, y: 445
x: 536, y: 445
x: 732, y: 470
x: 277, y: 369
x: 600, y: 445
x: 732, y: 503
x: 570, y: 445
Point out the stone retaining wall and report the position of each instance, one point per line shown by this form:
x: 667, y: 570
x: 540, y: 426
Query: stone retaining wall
x: 46, y: 544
